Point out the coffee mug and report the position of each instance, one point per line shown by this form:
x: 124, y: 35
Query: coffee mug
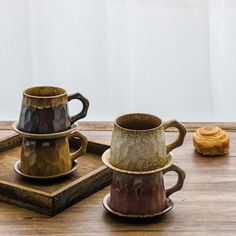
x: 138, y: 142
x: 142, y: 194
x: 45, y: 110
x: 49, y: 157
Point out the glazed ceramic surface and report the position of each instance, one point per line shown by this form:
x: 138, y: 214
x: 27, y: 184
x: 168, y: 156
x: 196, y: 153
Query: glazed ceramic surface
x: 44, y: 136
x: 48, y: 157
x: 138, y: 142
x: 142, y: 194
x: 45, y: 110
x: 17, y: 169
x: 106, y: 204
x: 106, y: 160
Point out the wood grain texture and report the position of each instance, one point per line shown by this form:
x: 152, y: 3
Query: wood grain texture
x: 205, y: 206
x: 52, y: 196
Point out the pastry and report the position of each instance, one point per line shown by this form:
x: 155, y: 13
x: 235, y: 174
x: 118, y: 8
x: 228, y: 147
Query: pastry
x: 211, y: 141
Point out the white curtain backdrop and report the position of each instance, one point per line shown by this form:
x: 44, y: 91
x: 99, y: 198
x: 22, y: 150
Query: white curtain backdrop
x: 172, y: 58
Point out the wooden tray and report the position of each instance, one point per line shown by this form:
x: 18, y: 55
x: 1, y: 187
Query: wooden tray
x: 51, y: 197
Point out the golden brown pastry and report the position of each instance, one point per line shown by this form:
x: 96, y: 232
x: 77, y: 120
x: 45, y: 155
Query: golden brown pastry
x: 211, y: 141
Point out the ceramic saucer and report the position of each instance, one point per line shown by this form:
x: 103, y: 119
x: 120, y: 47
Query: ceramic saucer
x: 106, y: 156
x: 75, y: 165
x: 44, y: 136
x: 170, y: 205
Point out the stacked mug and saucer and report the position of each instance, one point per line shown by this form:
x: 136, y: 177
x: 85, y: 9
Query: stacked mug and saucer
x: 46, y: 128
x: 139, y: 158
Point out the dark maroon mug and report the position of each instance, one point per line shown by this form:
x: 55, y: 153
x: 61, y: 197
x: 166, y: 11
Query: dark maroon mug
x: 45, y: 110
x: 142, y: 194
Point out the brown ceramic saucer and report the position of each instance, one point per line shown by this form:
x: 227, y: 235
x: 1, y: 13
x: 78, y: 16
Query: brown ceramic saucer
x: 75, y: 165
x: 106, y: 161
x: 44, y: 136
x: 105, y: 202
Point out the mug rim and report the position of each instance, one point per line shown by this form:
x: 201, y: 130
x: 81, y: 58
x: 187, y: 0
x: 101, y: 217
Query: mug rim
x: 137, y: 114
x: 63, y: 93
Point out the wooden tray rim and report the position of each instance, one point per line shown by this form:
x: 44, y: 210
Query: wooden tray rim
x: 13, y: 140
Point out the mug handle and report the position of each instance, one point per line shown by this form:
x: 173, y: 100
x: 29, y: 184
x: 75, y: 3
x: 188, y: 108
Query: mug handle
x: 84, y: 143
x: 85, y: 103
x: 181, y: 177
x: 182, y: 132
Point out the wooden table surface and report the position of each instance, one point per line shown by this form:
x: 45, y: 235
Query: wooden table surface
x: 205, y: 206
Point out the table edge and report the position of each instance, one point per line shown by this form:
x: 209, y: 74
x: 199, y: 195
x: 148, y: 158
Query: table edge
x: 108, y: 125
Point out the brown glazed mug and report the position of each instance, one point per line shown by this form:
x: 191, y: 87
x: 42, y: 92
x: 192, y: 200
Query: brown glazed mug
x: 138, y: 142
x: 142, y: 194
x: 44, y: 110
x: 49, y: 157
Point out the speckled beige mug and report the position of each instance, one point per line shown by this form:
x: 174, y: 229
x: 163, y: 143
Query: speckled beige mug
x: 138, y: 142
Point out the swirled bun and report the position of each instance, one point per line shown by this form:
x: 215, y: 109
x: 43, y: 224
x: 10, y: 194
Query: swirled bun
x: 211, y: 141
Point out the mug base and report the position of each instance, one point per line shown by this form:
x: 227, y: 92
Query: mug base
x: 106, y: 159
x: 106, y: 200
x: 44, y: 136
x: 17, y: 169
